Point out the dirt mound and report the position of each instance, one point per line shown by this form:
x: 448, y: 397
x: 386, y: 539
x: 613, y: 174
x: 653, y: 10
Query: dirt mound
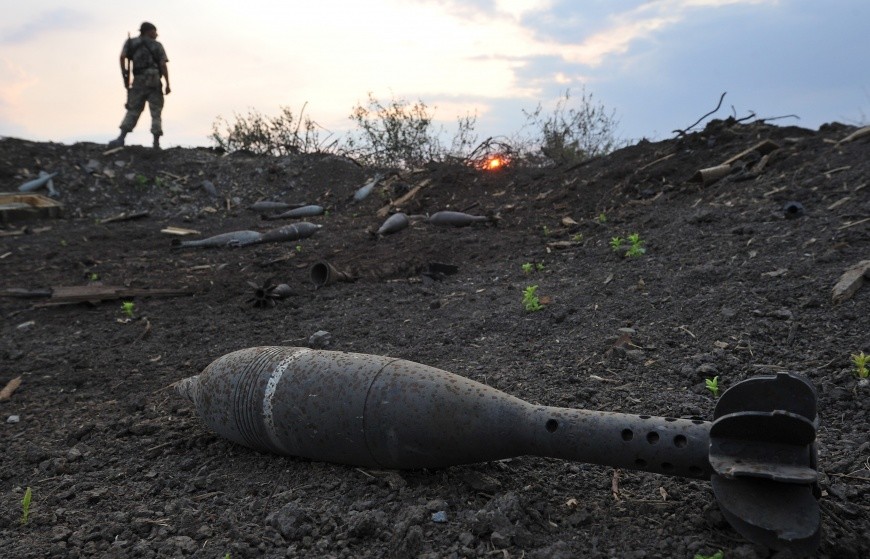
x: 736, y: 280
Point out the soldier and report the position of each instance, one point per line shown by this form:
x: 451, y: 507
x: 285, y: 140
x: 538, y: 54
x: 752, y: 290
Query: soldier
x: 149, y: 65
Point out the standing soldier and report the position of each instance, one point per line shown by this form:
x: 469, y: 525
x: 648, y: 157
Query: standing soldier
x: 149, y: 65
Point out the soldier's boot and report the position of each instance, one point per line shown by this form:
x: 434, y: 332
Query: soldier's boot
x: 119, y: 141
x: 156, y: 142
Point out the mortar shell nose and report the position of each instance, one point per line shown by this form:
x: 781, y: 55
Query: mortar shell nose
x: 186, y: 387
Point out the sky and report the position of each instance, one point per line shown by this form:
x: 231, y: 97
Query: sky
x: 657, y: 65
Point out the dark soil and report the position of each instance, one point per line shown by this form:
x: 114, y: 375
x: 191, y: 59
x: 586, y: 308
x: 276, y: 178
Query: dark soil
x: 120, y: 466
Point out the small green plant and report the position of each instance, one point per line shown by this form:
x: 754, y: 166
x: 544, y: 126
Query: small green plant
x: 127, y: 307
x: 577, y: 237
x: 712, y: 385
x: 546, y: 231
x: 616, y: 243
x: 141, y: 180
x: 602, y: 218
x: 93, y: 276
x: 860, y: 360
x: 25, y: 505
x: 298, y: 248
x: 528, y: 267
x: 530, y: 300
x: 636, y: 248
x: 717, y: 555
x: 158, y: 182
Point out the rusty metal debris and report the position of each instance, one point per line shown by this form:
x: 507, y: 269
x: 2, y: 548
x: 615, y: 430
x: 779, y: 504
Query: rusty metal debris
x: 381, y: 412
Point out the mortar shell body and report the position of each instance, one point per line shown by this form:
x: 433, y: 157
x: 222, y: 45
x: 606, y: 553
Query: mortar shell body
x: 357, y: 409
x: 375, y: 411
x: 455, y: 219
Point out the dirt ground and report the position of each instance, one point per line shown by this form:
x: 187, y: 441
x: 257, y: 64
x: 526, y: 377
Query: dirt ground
x: 731, y: 285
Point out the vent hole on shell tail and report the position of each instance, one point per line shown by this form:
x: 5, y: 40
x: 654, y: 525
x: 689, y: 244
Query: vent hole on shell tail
x: 640, y: 463
x: 652, y: 437
x: 627, y: 434
x: 552, y: 425
x: 680, y: 441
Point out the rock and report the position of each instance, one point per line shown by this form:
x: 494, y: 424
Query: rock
x: 319, y: 339
x: 13, y: 419
x: 499, y: 540
x: 288, y: 520
x: 439, y: 517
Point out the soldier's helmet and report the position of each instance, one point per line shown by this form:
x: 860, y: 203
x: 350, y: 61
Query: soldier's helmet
x: 147, y: 26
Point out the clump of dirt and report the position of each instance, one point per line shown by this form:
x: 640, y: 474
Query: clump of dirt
x: 736, y: 281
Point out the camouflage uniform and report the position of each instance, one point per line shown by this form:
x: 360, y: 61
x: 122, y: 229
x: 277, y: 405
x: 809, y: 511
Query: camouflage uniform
x: 146, y: 54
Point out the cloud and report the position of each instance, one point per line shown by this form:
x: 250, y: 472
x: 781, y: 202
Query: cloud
x: 60, y: 19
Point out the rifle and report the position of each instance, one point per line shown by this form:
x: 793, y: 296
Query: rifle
x: 125, y: 70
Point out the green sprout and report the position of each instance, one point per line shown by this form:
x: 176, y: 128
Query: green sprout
x: 616, y: 243
x: 127, y: 307
x: 717, y: 555
x: 635, y: 245
x: 25, y: 505
x: 636, y: 248
x: 577, y: 237
x: 158, y: 181
x: 298, y: 248
x: 93, y: 276
x: 528, y: 267
x: 141, y: 180
x: 712, y: 385
x: 546, y: 231
x: 601, y: 218
x: 860, y: 360
x: 530, y: 300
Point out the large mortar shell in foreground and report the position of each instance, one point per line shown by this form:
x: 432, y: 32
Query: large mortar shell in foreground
x: 374, y: 411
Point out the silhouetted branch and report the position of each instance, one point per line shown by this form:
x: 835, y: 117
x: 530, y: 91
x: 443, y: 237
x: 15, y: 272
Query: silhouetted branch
x: 686, y: 130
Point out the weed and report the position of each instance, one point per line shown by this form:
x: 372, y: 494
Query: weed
x: 860, y: 360
x: 141, y: 180
x: 717, y: 555
x: 284, y: 134
x: 601, y: 218
x: 712, y: 384
x: 546, y: 231
x: 25, y: 505
x: 577, y: 237
x: 616, y: 243
x: 636, y: 248
x: 93, y: 276
x: 528, y: 267
x: 298, y: 248
x: 530, y: 300
x: 573, y: 132
x: 400, y: 134
x: 127, y: 307
x: 158, y: 182
x: 635, y: 245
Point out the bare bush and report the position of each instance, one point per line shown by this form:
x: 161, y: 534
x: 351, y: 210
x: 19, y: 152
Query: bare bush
x: 279, y: 135
x: 403, y: 135
x: 576, y: 130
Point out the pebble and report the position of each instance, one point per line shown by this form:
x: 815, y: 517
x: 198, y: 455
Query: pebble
x: 439, y: 517
x: 13, y: 419
x: 319, y: 339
